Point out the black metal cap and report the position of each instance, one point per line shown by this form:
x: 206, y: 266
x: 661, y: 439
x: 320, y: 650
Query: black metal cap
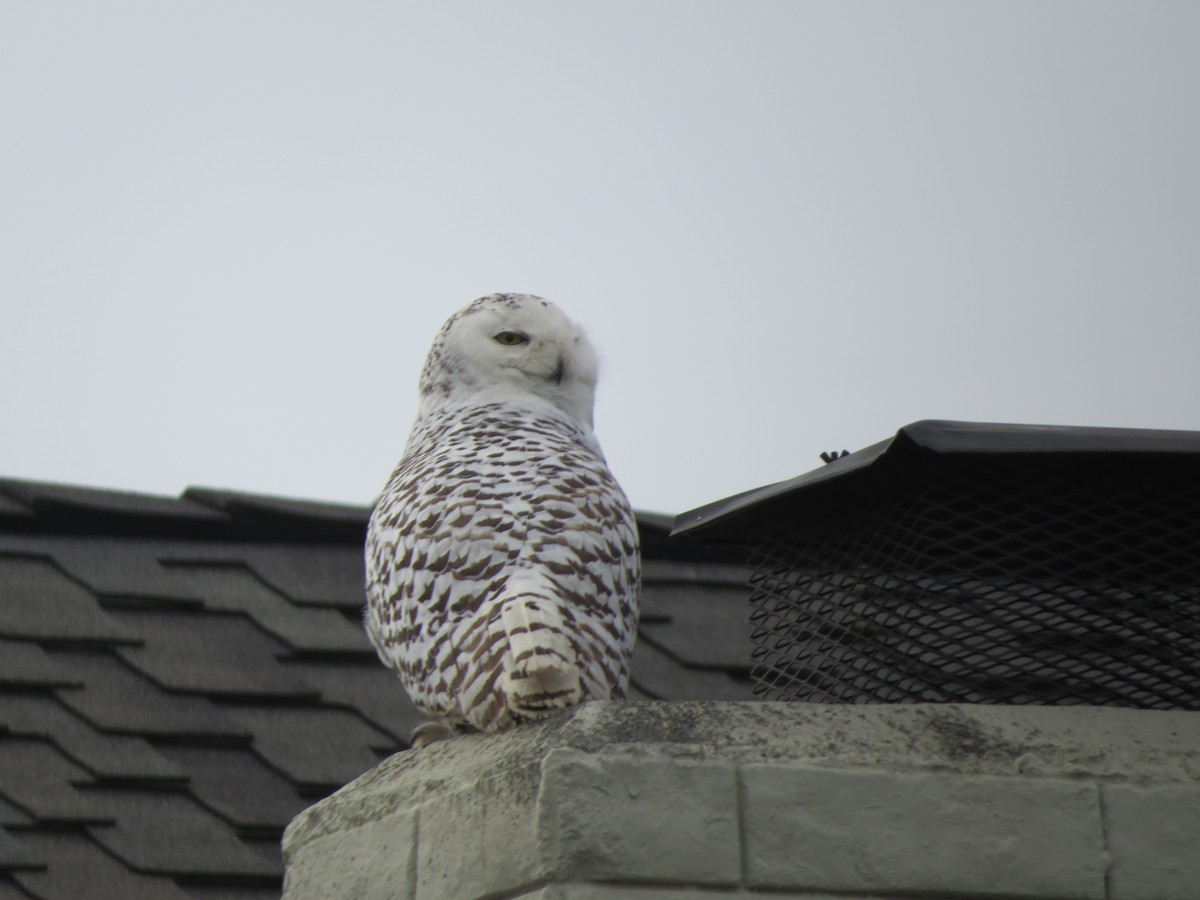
x: 723, y: 520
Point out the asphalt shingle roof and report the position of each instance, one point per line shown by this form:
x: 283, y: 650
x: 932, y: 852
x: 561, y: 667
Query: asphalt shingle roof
x: 179, y: 677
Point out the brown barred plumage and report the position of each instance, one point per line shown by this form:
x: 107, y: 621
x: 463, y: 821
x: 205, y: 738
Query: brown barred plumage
x: 502, y: 557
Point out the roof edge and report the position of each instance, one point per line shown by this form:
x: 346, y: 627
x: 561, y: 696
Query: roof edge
x: 205, y: 513
x: 52, y: 508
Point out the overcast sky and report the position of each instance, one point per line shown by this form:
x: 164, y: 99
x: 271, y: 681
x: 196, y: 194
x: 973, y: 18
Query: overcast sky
x: 229, y: 230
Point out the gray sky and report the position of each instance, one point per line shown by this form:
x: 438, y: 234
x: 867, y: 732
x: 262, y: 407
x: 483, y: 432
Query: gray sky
x: 229, y: 230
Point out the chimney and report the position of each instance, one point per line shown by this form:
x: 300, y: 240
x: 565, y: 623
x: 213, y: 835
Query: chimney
x: 664, y: 801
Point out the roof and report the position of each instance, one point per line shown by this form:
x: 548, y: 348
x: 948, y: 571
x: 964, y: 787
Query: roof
x: 180, y: 676
x: 724, y: 521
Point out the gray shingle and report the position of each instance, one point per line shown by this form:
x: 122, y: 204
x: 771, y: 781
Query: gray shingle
x: 316, y: 746
x: 10, y: 890
x: 58, y: 501
x: 39, y: 780
x: 12, y: 508
x: 660, y: 677
x: 229, y: 892
x: 209, y: 653
x: 238, y: 787
x: 82, y: 869
x: 234, y: 588
x: 367, y: 686
x: 123, y: 568
x: 25, y: 664
x: 703, y: 626
x: 661, y: 571
x: 117, y: 698
x: 9, y: 814
x: 105, y: 755
x: 636, y: 693
x: 258, y: 506
x: 291, y: 520
x: 41, y: 603
x: 15, y: 853
x: 161, y: 831
x: 312, y: 574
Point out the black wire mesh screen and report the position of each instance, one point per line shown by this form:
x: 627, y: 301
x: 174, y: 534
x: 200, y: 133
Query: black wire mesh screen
x: 986, y: 580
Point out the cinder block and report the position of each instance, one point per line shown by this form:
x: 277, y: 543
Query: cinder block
x: 578, y: 891
x: 477, y: 841
x: 838, y: 830
x: 1154, y: 839
x: 374, y: 861
x: 638, y: 817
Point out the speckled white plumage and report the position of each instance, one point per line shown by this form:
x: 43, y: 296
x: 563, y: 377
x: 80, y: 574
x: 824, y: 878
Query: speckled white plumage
x: 502, y: 557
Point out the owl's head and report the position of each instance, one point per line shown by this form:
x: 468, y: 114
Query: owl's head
x: 508, y: 346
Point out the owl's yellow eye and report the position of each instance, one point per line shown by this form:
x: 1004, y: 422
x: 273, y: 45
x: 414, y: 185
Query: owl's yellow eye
x: 511, y: 338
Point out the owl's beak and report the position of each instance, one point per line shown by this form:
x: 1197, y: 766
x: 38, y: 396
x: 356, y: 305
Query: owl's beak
x: 560, y: 371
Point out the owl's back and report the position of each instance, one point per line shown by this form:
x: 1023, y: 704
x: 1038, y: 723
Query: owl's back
x: 502, y: 567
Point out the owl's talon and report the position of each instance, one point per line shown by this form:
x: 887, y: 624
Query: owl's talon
x: 430, y: 733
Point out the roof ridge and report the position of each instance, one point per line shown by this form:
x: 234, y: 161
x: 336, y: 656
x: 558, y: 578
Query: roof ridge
x: 43, y: 507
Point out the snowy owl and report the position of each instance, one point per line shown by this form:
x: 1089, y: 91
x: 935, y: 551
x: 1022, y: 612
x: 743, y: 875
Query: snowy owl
x: 502, y: 557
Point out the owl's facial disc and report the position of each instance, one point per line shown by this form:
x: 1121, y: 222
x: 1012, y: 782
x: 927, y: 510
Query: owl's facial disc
x: 536, y: 341
x: 513, y: 348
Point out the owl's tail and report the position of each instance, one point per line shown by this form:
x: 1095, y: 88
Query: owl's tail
x: 541, y: 673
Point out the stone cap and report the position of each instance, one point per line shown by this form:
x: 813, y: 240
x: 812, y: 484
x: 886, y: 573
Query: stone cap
x: 888, y: 800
